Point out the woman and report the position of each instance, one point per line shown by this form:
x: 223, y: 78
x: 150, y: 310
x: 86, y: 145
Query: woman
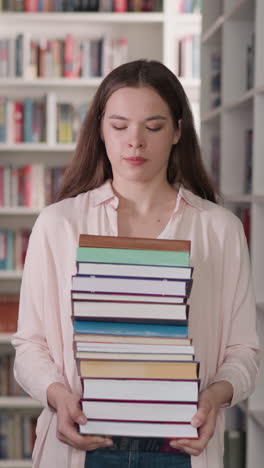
x: 137, y: 171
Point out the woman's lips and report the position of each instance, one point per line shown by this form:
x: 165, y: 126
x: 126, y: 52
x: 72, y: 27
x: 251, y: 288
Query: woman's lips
x: 135, y: 160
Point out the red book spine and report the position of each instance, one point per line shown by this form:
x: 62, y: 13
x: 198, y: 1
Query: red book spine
x: 68, y: 56
x: 120, y: 6
x: 31, y: 5
x: 18, y: 121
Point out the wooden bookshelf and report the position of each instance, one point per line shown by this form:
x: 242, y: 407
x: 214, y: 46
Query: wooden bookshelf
x: 228, y: 27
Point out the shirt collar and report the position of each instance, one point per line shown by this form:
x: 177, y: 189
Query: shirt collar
x: 105, y: 193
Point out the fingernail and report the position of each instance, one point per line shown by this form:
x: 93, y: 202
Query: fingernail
x: 196, y: 422
x: 108, y: 443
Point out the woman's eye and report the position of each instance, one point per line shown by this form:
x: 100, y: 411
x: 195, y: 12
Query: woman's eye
x: 119, y: 128
x: 156, y: 129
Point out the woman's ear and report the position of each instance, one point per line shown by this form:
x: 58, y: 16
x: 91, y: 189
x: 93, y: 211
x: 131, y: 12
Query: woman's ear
x: 178, y: 132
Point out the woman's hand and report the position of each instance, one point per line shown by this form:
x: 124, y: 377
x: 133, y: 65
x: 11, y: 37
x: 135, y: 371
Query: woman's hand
x: 69, y: 414
x: 210, y: 401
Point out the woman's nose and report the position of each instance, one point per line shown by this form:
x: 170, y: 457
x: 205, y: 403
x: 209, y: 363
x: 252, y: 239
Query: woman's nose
x: 136, y: 140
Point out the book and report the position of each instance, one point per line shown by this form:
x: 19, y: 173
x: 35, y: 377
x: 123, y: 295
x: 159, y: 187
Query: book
x: 140, y: 389
x: 131, y: 285
x: 8, y: 313
x: 133, y: 257
x: 139, y: 429
x: 135, y: 243
x: 138, y: 411
x: 121, y: 356
x: 138, y: 369
x: 147, y: 271
x: 132, y: 329
x: 133, y: 348
x: 123, y: 297
x: 124, y: 312
x: 117, y: 339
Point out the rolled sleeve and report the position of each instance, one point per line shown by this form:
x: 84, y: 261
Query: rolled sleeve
x: 241, y: 362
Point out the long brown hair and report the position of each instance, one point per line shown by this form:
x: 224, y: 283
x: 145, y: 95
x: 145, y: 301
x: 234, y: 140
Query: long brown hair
x: 90, y: 166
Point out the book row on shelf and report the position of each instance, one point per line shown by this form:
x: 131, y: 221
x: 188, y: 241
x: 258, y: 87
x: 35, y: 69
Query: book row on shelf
x: 216, y: 72
x: 8, y: 384
x: 13, y: 248
x: 17, y: 435
x: 66, y: 57
x: 26, y: 120
x: 33, y: 185
x: 188, y: 6
x: 118, y: 6
x: 81, y: 58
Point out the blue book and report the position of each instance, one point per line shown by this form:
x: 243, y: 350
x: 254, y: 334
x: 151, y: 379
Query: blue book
x: 130, y: 329
x: 27, y: 121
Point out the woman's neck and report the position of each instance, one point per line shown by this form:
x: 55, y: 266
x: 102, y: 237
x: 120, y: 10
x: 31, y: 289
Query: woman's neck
x: 141, y: 198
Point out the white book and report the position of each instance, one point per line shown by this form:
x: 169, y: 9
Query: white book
x: 11, y: 57
x: 148, y: 340
x: 131, y: 285
x: 134, y: 411
x: 132, y: 356
x: 130, y: 311
x: 141, y: 390
x: 126, y: 297
x: 143, y: 271
x: 134, y: 348
x: 188, y: 56
x: 10, y: 129
x: 139, y: 429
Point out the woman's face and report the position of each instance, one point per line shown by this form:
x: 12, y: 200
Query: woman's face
x: 138, y: 133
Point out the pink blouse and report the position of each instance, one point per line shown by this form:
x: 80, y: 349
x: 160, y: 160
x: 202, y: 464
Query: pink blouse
x: 222, y: 307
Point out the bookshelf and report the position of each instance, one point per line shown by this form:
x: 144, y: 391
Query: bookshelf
x: 152, y: 35
x: 232, y: 104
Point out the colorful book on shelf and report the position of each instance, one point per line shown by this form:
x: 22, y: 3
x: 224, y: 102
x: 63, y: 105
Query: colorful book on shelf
x: 8, y: 313
x: 130, y: 322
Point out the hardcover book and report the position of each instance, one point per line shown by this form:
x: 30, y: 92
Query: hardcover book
x: 161, y: 369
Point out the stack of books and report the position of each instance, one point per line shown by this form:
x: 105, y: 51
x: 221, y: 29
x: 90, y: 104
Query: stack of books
x: 134, y: 357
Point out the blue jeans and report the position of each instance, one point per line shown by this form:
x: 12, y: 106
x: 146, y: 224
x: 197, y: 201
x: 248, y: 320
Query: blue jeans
x: 105, y: 458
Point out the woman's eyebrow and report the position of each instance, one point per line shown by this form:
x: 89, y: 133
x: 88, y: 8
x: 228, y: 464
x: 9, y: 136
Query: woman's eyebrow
x: 153, y: 117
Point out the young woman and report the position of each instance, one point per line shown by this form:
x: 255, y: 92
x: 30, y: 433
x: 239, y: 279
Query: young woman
x: 137, y: 171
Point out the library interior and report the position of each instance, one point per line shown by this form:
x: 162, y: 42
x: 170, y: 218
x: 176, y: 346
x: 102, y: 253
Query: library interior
x: 54, y: 54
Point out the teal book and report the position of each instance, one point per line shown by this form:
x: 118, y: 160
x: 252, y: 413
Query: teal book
x: 130, y: 329
x: 133, y: 257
